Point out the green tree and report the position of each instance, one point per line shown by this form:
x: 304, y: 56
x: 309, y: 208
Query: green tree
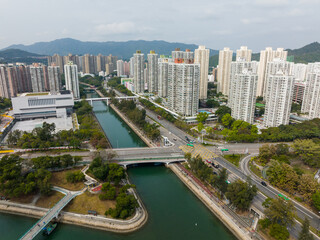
x: 280, y: 211
x: 241, y: 194
x: 202, y: 117
x: 316, y: 200
x: 221, y: 181
x: 211, y: 103
x: 305, y: 233
x: 279, y: 232
x: 221, y: 111
x: 227, y: 120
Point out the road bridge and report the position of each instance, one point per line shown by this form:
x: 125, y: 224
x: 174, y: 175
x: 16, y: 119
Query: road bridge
x: 51, y: 214
x: 107, y: 99
x: 164, y: 160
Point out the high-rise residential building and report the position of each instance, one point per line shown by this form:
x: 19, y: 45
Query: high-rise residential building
x: 57, y: 60
x: 279, y: 90
x: 163, y: 65
x: 54, y: 79
x: 311, y: 98
x: 242, y: 95
x: 266, y: 56
x: 138, y: 78
x: 152, y: 68
x: 279, y: 65
x: 183, y: 88
x: 8, y: 82
x: 120, y: 68
x: 202, y: 57
x: 298, y: 91
x: 37, y: 79
x: 177, y: 55
x: 225, y: 58
x: 126, y: 68
x: 45, y: 78
x: 71, y: 77
x: 131, y: 67
x: 244, y: 53
x: 24, y: 79
x: 300, y: 72
x: 313, y: 67
x: 238, y: 66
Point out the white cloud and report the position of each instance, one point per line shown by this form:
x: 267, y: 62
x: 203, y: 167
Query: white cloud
x: 271, y: 3
x: 252, y: 20
x: 116, y: 28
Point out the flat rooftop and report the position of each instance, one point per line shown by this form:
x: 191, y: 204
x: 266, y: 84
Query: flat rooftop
x: 29, y: 125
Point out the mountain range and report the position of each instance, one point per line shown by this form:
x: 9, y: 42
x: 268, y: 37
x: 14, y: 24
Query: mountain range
x: 123, y: 50
x: 36, y: 52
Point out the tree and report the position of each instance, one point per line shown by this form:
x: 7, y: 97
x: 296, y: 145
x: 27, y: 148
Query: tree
x: 221, y: 182
x: 280, y: 211
x: 221, y: 111
x: 316, y: 200
x: 241, y: 194
x: 227, y: 120
x: 202, y: 117
x: 279, y: 232
x: 200, y: 127
x: 305, y: 233
x: 211, y: 103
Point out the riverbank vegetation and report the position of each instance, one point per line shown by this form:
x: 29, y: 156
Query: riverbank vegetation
x: 163, y: 113
x: 279, y: 215
x: 45, y: 136
x: 115, y: 83
x: 291, y: 168
x: 111, y: 174
x: 138, y: 117
x: 240, y: 194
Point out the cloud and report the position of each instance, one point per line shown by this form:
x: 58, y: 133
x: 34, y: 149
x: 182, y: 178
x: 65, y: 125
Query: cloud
x: 271, y: 3
x: 252, y: 20
x: 116, y: 28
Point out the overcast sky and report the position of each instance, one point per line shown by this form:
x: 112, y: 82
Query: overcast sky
x: 214, y: 23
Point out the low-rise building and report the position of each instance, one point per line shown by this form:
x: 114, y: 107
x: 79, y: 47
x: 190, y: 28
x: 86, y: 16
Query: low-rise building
x: 42, y: 105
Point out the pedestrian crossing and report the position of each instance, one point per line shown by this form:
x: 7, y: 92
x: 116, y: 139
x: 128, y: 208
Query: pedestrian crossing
x: 199, y: 150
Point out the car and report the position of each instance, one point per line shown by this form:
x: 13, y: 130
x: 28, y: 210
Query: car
x: 216, y: 165
x: 174, y: 139
x: 263, y: 183
x: 215, y: 173
x: 208, y: 161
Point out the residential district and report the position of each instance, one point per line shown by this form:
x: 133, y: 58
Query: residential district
x: 242, y: 136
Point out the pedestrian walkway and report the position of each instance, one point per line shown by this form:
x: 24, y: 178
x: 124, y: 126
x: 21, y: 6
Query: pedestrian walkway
x: 199, y: 150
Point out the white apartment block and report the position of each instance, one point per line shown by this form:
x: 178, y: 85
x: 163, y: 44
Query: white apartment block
x: 311, y: 98
x: 138, y: 77
x: 242, y: 95
x: 279, y: 89
x: 244, y: 53
x: 266, y: 56
x: 131, y: 67
x: 273, y: 67
x: 152, y: 72
x: 120, y: 68
x: 72, y: 80
x: 183, y: 88
x: 202, y: 57
x: 54, y: 79
x: 300, y: 72
x: 225, y: 58
x: 37, y: 80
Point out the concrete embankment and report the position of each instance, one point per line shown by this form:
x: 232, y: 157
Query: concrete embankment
x: 96, y: 222
x: 133, y: 127
x: 211, y: 204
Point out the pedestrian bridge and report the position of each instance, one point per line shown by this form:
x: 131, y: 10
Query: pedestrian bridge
x: 107, y: 99
x: 51, y: 214
x: 164, y: 160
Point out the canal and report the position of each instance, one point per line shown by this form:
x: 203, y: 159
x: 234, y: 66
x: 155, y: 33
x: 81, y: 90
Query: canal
x: 118, y: 132
x: 174, y: 213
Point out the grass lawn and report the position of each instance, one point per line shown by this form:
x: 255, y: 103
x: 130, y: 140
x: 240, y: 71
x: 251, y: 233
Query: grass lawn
x: 255, y: 170
x: 49, y: 201
x: 59, y: 179
x: 87, y: 201
x: 233, y: 158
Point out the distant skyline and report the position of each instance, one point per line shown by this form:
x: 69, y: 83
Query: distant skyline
x: 213, y: 23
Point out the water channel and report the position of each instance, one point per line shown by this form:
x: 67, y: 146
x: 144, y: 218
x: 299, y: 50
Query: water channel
x: 174, y: 211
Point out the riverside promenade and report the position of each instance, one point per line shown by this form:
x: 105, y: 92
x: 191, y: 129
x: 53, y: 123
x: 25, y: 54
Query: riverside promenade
x: 215, y: 205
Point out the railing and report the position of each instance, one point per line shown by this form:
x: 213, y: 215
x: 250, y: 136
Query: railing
x: 150, y: 159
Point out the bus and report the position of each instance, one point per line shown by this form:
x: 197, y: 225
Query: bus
x: 190, y: 145
x: 282, y: 196
x: 224, y: 150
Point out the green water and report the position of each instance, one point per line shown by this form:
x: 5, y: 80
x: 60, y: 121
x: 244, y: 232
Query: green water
x: 118, y: 132
x: 174, y: 214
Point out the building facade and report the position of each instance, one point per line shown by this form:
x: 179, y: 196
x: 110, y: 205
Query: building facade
x: 72, y: 80
x: 225, y: 58
x: 201, y: 56
x: 311, y: 98
x: 152, y: 72
x: 138, y: 78
x: 244, y: 53
x: 279, y: 90
x: 54, y: 79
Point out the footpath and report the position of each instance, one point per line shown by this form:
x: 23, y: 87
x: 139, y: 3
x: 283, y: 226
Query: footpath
x: 213, y: 203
